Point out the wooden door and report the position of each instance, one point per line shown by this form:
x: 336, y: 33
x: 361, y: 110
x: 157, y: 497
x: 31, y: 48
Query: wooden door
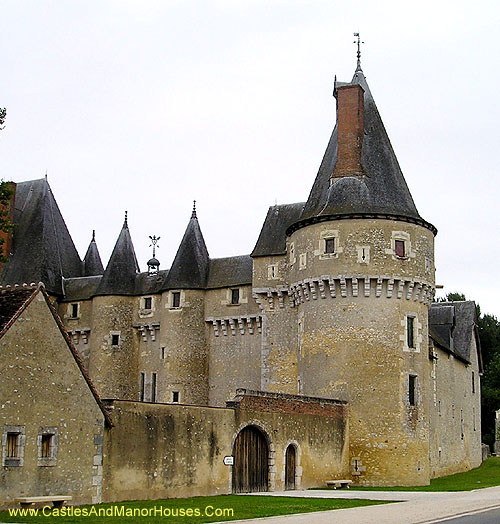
x: 290, y: 467
x: 251, y: 461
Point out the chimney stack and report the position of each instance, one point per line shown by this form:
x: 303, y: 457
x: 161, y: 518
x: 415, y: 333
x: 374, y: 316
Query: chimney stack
x: 350, y: 129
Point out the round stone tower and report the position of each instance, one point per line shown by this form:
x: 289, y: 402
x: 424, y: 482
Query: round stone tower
x: 360, y: 264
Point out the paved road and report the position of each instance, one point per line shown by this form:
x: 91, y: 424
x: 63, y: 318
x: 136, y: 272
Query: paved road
x: 415, y: 507
x: 484, y: 517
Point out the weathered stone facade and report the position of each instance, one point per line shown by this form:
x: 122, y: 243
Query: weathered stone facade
x: 332, y: 308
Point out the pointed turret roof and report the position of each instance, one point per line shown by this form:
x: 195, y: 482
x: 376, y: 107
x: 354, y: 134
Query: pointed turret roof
x: 42, y: 248
x: 122, y: 268
x: 92, y: 264
x: 190, y: 267
x: 379, y: 189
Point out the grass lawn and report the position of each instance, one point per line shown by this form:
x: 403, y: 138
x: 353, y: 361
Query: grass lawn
x: 243, y: 507
x: 485, y: 476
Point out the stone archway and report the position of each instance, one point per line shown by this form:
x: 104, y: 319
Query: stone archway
x: 251, y: 461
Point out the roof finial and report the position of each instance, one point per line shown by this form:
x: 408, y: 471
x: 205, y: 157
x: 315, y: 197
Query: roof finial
x: 45, y: 175
x: 154, y: 241
x: 125, y: 222
x: 93, y: 235
x: 359, y: 42
x: 193, y: 215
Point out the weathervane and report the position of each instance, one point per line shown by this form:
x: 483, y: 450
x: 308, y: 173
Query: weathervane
x: 359, y: 42
x: 154, y: 241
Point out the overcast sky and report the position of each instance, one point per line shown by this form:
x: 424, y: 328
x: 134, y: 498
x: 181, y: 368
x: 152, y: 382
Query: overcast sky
x: 146, y: 105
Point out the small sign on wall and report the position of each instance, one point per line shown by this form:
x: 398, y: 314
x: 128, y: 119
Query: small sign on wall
x: 229, y: 460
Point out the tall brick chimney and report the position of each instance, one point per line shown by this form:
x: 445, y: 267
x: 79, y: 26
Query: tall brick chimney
x: 350, y: 129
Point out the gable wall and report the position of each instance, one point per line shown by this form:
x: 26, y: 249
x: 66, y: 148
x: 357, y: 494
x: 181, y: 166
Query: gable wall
x: 45, y: 388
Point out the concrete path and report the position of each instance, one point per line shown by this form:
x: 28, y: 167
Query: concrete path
x: 415, y: 507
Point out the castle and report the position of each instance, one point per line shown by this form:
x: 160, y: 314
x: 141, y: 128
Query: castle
x: 322, y: 349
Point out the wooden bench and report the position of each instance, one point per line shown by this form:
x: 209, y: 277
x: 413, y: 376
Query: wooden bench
x: 57, y: 500
x: 338, y: 483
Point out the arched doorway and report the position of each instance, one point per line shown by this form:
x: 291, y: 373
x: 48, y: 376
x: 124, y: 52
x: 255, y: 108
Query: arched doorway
x: 251, y: 461
x: 290, y: 462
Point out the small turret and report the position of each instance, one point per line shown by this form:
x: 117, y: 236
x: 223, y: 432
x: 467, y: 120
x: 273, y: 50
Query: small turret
x: 122, y: 268
x: 92, y: 264
x: 154, y: 263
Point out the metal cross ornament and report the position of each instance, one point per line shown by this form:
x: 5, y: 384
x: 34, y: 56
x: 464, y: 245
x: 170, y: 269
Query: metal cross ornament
x: 154, y: 242
x: 359, y: 42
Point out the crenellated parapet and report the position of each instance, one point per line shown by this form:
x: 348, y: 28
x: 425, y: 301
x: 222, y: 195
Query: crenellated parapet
x: 343, y: 286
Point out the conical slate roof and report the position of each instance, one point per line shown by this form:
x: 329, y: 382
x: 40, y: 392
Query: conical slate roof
x: 190, y: 267
x: 379, y: 190
x: 122, y: 268
x: 42, y: 248
x: 92, y: 264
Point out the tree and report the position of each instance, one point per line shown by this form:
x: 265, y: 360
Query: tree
x: 6, y: 193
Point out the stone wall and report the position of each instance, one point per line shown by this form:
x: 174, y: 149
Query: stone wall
x: 44, y: 392
x: 163, y: 450
x: 455, y: 413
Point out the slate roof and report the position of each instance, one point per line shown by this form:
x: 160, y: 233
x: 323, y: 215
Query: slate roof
x: 14, y: 300
x: 92, y: 264
x: 122, y: 269
x: 230, y: 271
x: 81, y: 288
x: 42, y: 248
x: 381, y: 191
x: 452, y: 326
x: 190, y: 267
x: 272, y: 238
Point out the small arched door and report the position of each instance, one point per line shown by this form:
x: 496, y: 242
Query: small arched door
x: 251, y: 461
x: 290, y: 467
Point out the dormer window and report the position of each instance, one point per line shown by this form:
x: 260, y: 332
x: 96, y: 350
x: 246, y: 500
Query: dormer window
x: 399, y: 248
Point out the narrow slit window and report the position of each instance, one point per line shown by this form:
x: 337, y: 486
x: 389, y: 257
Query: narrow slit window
x: 410, y: 327
x: 399, y: 248
x: 330, y: 245
x: 74, y: 310
x: 473, y: 383
x: 235, y: 296
x: 153, y: 387
x: 175, y: 396
x: 143, y: 383
x: 176, y: 299
x: 412, y: 386
x: 115, y: 340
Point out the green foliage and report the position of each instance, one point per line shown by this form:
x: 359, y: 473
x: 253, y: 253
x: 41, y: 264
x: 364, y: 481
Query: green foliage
x: 3, y: 114
x: 6, y: 193
x: 452, y: 297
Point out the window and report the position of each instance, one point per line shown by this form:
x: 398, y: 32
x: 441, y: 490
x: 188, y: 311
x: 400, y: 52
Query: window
x: 13, y: 439
x: 272, y: 271
x: 115, y: 339
x: 163, y: 352
x: 412, y: 389
x: 399, y: 248
x: 473, y: 383
x: 153, y: 387
x: 74, y: 310
x: 302, y: 260
x: 12, y: 449
x: 148, y: 302
x: 142, y: 386
x: 235, y: 296
x: 175, y: 396
x: 329, y: 245
x: 410, y: 326
x: 47, y: 446
x: 292, y: 253
x: 176, y: 299
x: 461, y: 424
